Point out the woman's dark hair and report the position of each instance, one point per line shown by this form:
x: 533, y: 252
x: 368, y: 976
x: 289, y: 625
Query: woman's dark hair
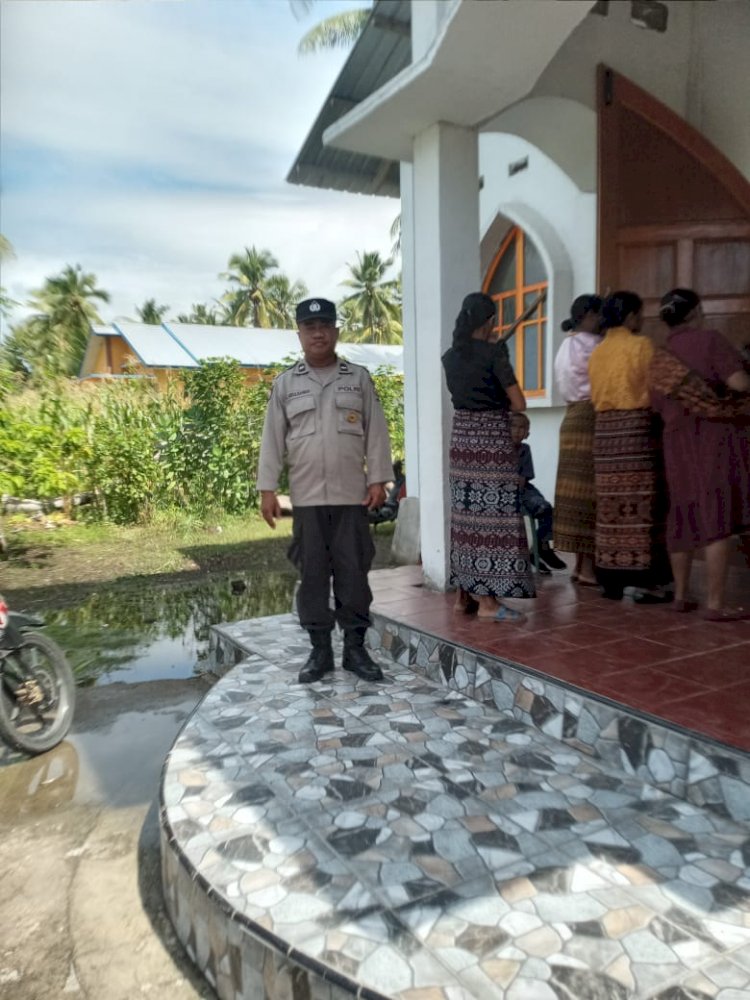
x: 619, y: 306
x: 476, y: 309
x: 677, y: 305
x: 581, y: 306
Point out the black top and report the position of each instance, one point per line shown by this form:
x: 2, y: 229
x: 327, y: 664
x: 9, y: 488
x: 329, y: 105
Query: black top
x: 477, y: 380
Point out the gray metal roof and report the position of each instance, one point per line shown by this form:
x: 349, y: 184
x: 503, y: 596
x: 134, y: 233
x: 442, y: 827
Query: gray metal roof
x: 183, y: 345
x: 381, y: 51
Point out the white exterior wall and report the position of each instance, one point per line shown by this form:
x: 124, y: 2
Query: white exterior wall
x: 698, y: 67
x: 561, y: 220
x: 446, y: 266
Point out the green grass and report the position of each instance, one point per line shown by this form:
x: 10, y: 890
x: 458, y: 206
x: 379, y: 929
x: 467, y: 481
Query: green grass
x: 42, y: 558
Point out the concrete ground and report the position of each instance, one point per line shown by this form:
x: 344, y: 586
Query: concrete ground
x: 81, y: 911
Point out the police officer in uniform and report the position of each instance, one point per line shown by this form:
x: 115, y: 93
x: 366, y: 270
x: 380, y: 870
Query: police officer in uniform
x: 325, y: 418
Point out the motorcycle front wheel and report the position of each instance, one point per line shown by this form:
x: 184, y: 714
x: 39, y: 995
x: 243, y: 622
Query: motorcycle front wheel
x: 37, y: 695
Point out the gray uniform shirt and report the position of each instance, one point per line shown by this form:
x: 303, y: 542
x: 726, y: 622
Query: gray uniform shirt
x: 333, y: 435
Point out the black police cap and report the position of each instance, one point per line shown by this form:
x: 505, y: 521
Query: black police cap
x: 316, y: 309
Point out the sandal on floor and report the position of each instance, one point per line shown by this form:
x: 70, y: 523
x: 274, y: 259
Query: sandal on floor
x: 646, y: 598
x: 712, y: 615
x: 681, y: 607
x: 585, y: 583
x: 504, y: 614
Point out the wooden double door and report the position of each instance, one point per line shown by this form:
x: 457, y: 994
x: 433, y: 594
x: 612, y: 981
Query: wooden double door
x: 673, y: 211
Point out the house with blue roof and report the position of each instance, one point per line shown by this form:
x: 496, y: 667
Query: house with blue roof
x: 124, y: 349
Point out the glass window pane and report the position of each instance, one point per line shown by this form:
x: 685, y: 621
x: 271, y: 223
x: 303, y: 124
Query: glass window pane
x: 528, y: 299
x: 504, y: 278
x: 508, y: 310
x: 531, y: 373
x: 533, y: 268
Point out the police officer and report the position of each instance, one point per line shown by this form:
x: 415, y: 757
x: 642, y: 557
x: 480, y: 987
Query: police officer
x: 325, y: 417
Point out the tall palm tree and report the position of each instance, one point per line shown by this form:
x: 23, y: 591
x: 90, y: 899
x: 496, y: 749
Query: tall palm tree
x: 250, y: 272
x: 66, y: 310
x: 150, y: 313
x: 283, y: 296
x: 374, y: 304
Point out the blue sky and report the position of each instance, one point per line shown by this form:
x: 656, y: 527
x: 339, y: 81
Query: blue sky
x: 147, y: 141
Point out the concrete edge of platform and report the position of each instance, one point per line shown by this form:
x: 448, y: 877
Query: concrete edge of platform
x: 684, y: 764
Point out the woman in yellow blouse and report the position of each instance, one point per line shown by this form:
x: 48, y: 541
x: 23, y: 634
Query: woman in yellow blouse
x: 631, y: 495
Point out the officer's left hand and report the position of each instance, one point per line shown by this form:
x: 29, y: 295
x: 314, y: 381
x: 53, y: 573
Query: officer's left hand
x: 375, y: 496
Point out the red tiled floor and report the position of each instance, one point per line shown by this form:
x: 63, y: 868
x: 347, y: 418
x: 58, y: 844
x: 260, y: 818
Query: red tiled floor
x: 679, y: 668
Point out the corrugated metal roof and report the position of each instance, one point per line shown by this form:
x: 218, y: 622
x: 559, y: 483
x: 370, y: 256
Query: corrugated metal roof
x: 184, y: 345
x: 154, y: 346
x: 381, y: 51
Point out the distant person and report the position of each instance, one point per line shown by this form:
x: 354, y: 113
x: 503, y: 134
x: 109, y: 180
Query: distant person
x: 631, y: 493
x: 489, y: 552
x: 574, y: 524
x: 324, y: 417
x: 706, y: 448
x: 533, y: 503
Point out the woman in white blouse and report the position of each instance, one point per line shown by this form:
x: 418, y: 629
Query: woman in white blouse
x: 575, y: 494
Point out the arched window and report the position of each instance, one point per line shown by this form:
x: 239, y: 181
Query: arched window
x: 515, y: 278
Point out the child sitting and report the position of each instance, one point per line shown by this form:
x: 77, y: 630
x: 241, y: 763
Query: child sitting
x: 532, y: 501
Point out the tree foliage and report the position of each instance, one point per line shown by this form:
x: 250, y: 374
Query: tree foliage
x: 372, y: 311
x: 339, y: 31
x: 247, y: 301
x: 53, y: 340
x: 151, y: 313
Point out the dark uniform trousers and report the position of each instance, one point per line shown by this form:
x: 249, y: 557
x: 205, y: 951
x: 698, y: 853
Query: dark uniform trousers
x: 537, y: 506
x: 332, y: 541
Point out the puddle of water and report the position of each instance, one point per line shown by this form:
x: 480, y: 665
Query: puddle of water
x: 159, y: 632
x: 117, y: 764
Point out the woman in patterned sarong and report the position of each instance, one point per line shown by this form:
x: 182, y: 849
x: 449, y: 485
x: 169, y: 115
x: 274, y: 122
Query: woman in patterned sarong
x: 575, y: 491
x: 631, y: 493
x: 489, y: 551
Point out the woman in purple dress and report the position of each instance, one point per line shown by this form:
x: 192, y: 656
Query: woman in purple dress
x: 707, y: 459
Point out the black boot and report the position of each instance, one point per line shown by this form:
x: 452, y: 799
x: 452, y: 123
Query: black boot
x: 320, y: 661
x: 550, y: 557
x: 356, y: 657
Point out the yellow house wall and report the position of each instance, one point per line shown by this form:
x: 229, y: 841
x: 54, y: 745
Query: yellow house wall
x: 123, y: 360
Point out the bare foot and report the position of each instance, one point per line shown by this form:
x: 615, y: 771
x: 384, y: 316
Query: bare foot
x: 465, y: 603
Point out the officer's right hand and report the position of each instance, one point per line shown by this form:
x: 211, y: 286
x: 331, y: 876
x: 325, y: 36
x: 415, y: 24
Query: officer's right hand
x: 269, y: 507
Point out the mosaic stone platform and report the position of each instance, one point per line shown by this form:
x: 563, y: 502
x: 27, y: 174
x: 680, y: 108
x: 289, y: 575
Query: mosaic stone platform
x: 404, y: 840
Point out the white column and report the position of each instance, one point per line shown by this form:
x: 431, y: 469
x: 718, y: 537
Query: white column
x: 411, y: 438
x: 446, y: 268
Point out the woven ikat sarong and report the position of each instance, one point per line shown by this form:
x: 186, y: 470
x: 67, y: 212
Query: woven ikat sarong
x: 575, y: 492
x: 631, y: 495
x: 489, y: 550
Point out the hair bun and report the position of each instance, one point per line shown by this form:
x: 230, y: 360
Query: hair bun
x: 566, y: 325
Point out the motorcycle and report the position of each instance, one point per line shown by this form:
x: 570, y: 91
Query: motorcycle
x: 37, y: 689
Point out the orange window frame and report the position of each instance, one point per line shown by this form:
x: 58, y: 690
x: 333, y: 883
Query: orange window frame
x: 515, y: 239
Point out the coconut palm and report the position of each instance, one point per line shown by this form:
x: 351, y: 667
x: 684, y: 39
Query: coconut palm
x: 57, y: 335
x: 6, y: 253
x: 374, y: 305
x: 283, y: 296
x: 250, y: 272
x: 339, y: 31
x: 201, y: 314
x: 150, y: 313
